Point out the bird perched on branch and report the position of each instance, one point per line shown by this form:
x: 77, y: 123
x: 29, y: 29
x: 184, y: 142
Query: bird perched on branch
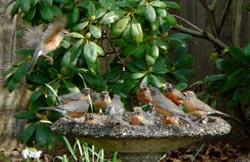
x: 174, y: 94
x: 45, y: 41
x: 83, y: 95
x: 101, y: 100
x: 115, y: 109
x: 74, y: 109
x: 198, y: 108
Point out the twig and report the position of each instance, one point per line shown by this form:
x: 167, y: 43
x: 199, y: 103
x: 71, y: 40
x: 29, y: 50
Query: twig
x: 202, y: 34
x: 211, y: 17
x: 187, y: 22
x: 223, y: 17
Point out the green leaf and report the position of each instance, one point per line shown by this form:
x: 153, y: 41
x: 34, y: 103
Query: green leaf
x: 76, y: 35
x: 109, y: 17
x: 136, y: 51
x: 136, y: 31
x: 170, y: 20
x: 95, y: 31
x: 138, y: 75
x: 35, y: 95
x: 161, y: 12
x: 100, y: 12
x: 160, y: 67
x: 172, y: 5
x: 153, y: 51
x: 184, y: 62
x: 74, y: 16
x: 25, y: 5
x: 99, y: 49
x: 154, y: 80
x: 28, y: 115
x: 47, y: 2
x: 70, y: 86
x: 28, y: 132
x: 80, y: 26
x: 215, y: 77
x: 38, y: 78
x: 96, y: 82
x: 150, y: 13
x: 237, y: 54
x: 180, y: 77
x: 181, y: 86
x: 180, y: 37
x: 31, y: 14
x: 25, y: 52
x: 46, y: 13
x: 20, y: 72
x: 159, y: 4
x: 57, y: 11
x: 150, y: 60
x: 235, y: 79
x: 54, y: 91
x: 90, y: 52
x: 42, y: 134
x: 127, y: 32
x: 15, y: 8
x: 120, y: 26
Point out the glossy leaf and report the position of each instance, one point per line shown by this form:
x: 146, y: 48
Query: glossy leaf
x: 25, y: 5
x: 74, y: 16
x: 28, y: 132
x: 136, y: 31
x: 95, y: 31
x: 159, y: 4
x: 150, y: 13
x: 120, y: 26
x: 70, y: 86
x: 109, y: 17
x: 90, y: 52
x: 80, y: 26
x: 25, y: 115
x: 46, y: 13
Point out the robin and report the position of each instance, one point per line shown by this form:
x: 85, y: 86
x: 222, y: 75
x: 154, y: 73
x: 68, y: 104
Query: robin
x: 102, y: 100
x: 166, y: 107
x: 143, y: 94
x: 45, y: 41
x: 174, y: 94
x: 139, y: 118
x: 115, y: 109
x: 74, y: 109
x: 198, y: 108
x: 83, y: 95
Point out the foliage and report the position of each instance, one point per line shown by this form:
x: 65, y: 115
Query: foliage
x: 138, y: 34
x: 80, y: 151
x: 233, y: 81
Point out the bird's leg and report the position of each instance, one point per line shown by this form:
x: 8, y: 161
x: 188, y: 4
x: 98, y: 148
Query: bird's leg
x: 48, y: 58
x: 203, y: 120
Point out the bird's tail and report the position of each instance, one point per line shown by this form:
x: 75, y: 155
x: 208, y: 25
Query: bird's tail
x: 224, y: 115
x: 63, y: 112
x: 35, y: 57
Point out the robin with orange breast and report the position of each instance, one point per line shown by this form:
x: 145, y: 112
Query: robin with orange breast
x: 198, y: 108
x: 45, y: 41
x: 84, y: 95
x: 174, y: 94
x: 166, y: 107
x: 74, y: 109
x: 102, y: 100
x: 143, y: 94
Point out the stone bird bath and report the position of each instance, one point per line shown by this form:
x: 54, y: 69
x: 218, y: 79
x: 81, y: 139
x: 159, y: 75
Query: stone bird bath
x: 144, y: 143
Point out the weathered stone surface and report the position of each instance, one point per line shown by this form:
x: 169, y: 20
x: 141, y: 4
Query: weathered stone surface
x: 128, y: 138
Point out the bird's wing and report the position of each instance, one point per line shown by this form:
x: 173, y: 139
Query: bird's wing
x: 71, y: 96
x: 200, y: 105
x: 168, y: 105
x: 33, y: 36
x: 75, y: 106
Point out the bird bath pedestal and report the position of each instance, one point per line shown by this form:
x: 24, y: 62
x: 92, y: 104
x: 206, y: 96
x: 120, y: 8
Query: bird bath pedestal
x: 145, y: 143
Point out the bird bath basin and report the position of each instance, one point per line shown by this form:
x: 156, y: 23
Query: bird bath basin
x: 144, y: 143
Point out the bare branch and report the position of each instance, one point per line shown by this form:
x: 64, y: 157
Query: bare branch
x: 223, y: 17
x: 203, y: 34
x: 211, y: 16
x: 187, y: 22
x: 237, y: 22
